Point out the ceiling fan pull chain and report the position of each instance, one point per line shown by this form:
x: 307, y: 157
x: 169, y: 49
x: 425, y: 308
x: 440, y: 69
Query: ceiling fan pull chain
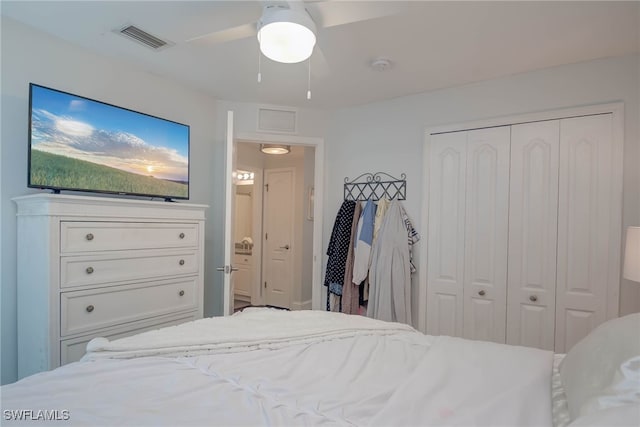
x: 259, y: 64
x: 309, y: 81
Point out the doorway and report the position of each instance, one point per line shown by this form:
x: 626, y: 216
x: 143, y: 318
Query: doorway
x: 274, y: 227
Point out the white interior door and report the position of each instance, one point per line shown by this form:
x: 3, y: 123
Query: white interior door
x: 229, y: 218
x: 278, y: 240
x: 586, y: 243
x: 486, y: 234
x: 533, y: 232
x: 447, y: 172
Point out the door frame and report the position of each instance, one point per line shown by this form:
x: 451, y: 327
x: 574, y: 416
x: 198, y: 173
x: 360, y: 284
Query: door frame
x: 318, y: 182
x: 614, y: 108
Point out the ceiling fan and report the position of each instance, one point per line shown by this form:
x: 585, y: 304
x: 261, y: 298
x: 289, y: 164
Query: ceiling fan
x: 316, y: 16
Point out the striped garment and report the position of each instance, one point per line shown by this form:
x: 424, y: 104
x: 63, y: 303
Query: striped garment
x: 412, y: 235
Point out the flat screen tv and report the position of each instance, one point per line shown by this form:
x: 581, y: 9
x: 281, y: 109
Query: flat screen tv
x: 80, y: 144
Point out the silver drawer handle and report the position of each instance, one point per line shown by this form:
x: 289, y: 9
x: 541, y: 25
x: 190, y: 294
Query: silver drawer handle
x: 181, y: 235
x: 181, y: 262
x: 89, y: 236
x: 89, y: 308
x: 533, y: 298
x: 481, y: 293
x: 89, y: 270
x: 181, y: 293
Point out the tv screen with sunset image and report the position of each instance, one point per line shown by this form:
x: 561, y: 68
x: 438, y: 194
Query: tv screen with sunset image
x: 76, y: 143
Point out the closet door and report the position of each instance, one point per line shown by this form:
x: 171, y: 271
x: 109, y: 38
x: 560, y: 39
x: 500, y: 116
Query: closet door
x: 486, y: 228
x: 586, y: 243
x: 447, y: 167
x: 533, y: 213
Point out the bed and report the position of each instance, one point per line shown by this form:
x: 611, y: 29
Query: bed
x: 273, y: 367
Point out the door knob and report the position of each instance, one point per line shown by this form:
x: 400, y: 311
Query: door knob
x: 533, y: 298
x: 220, y: 269
x: 285, y: 247
x: 481, y: 293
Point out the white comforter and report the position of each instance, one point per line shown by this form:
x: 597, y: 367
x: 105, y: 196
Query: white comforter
x: 269, y: 367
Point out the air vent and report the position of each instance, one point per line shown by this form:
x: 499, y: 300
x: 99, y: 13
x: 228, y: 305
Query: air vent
x: 277, y: 120
x: 140, y: 36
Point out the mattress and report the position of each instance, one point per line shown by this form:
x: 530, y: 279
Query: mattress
x: 267, y: 367
x: 559, y: 408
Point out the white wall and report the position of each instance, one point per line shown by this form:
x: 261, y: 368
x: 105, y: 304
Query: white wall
x: 31, y: 56
x: 388, y: 136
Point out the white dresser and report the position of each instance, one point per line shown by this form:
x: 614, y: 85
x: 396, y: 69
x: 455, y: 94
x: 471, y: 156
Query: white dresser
x: 98, y: 266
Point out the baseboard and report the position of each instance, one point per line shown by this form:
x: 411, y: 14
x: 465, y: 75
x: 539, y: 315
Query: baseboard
x: 301, y: 305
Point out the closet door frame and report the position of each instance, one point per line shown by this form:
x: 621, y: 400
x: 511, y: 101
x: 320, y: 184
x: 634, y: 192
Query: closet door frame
x: 616, y: 109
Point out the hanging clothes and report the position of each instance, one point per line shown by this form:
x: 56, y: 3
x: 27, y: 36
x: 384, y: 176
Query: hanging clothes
x: 412, y: 235
x: 390, y: 276
x: 350, y: 299
x: 383, y: 205
x: 362, y: 246
x: 337, y: 251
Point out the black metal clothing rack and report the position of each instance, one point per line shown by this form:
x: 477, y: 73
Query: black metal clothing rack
x: 375, y: 186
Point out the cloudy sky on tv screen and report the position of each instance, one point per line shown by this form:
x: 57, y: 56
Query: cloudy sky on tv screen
x: 82, y: 129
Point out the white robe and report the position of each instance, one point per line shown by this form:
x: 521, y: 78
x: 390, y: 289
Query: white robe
x: 389, y: 275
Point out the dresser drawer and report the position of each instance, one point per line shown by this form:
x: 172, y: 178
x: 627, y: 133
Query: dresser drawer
x: 83, y: 311
x: 124, y: 266
x: 109, y: 236
x: 73, y: 349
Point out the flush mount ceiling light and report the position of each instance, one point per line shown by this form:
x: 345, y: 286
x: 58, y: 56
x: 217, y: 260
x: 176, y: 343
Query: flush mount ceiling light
x: 286, y: 35
x: 275, y: 148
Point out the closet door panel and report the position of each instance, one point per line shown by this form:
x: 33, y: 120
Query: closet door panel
x: 584, y: 215
x: 486, y: 228
x: 446, y: 234
x: 533, y: 213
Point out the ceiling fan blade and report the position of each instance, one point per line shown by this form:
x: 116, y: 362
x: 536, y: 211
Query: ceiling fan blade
x: 230, y: 34
x: 334, y: 13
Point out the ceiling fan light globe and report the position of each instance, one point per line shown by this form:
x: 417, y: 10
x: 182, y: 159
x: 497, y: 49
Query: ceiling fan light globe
x: 286, y: 35
x: 286, y: 42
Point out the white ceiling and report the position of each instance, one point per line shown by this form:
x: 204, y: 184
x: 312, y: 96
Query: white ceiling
x: 432, y: 44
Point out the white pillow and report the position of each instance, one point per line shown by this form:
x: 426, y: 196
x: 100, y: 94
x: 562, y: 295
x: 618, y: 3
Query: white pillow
x: 603, y: 369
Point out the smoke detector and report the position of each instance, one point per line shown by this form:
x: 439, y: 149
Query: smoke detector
x: 381, y: 64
